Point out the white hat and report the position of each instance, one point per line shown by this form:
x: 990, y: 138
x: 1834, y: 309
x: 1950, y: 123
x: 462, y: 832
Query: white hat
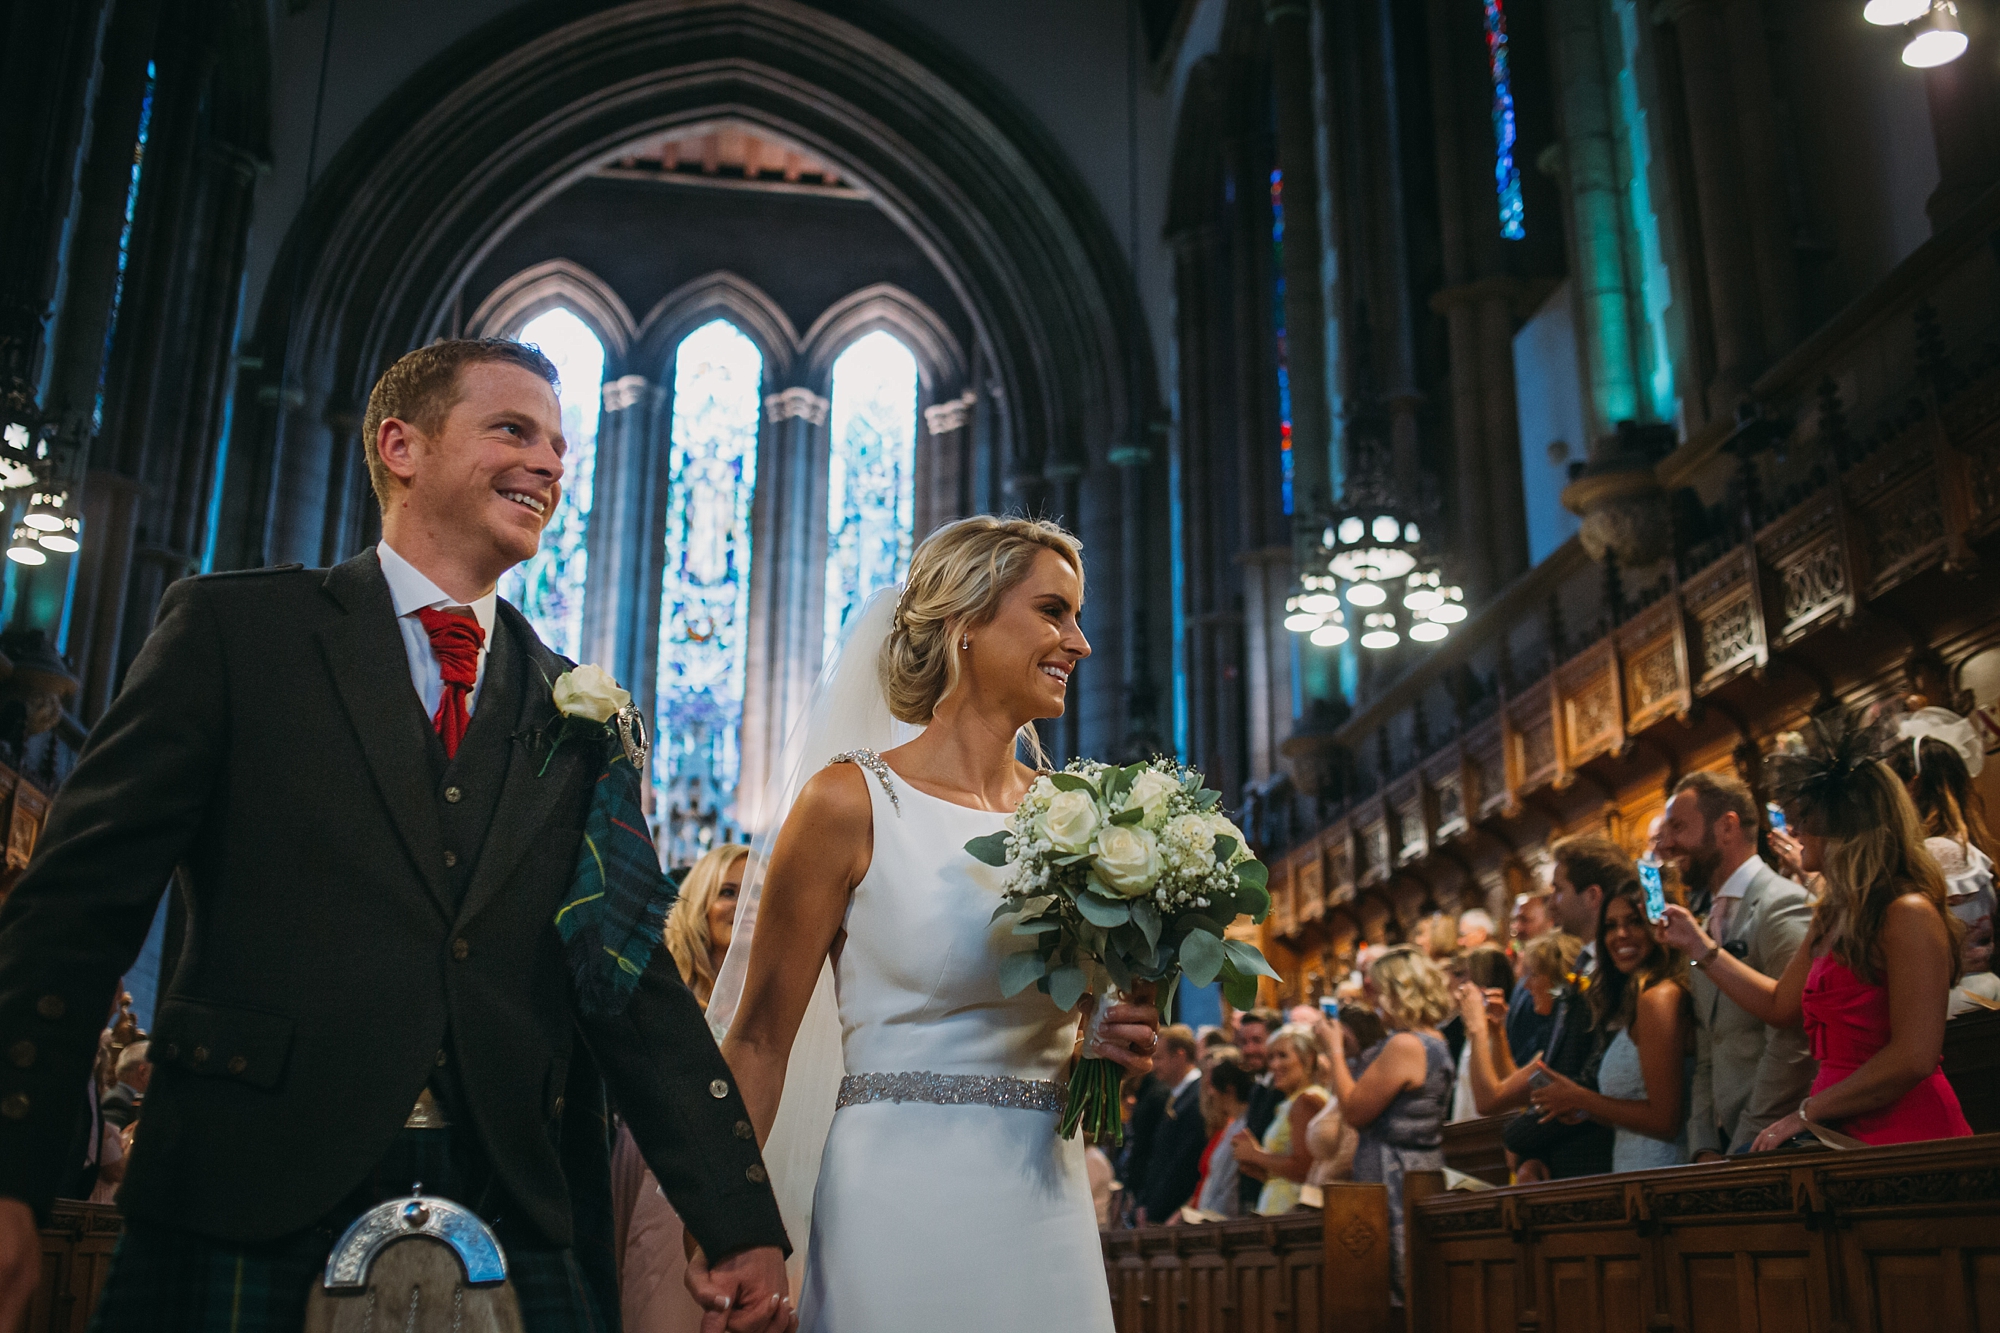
x: 1941, y: 724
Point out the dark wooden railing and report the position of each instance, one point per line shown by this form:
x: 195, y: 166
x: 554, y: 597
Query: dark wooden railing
x: 1304, y: 1271
x: 76, y: 1257
x: 1881, y: 1240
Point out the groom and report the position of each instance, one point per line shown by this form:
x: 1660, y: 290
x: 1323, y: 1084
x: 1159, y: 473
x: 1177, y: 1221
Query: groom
x: 345, y: 774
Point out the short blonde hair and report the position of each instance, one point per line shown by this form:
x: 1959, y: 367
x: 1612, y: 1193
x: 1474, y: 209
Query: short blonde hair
x: 687, y: 923
x: 1411, y: 988
x: 956, y: 581
x: 1303, y: 1043
x: 1551, y: 955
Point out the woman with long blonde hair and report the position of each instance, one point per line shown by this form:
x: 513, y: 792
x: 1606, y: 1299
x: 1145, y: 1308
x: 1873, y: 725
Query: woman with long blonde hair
x: 1870, y: 980
x: 909, y: 1126
x: 648, y: 1233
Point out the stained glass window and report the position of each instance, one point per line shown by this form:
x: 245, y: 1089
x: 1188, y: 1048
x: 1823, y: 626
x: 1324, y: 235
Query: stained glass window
x: 1506, y: 175
x: 705, y: 594
x: 549, y: 589
x: 871, y: 494
x: 1283, y: 352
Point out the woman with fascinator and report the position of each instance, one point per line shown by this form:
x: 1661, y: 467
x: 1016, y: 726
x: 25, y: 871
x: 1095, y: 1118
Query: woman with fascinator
x: 908, y: 1110
x: 1870, y: 980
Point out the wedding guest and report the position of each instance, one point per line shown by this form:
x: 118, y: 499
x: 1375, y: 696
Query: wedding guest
x: 1939, y: 756
x: 1475, y: 929
x: 1225, y: 1102
x: 1486, y: 969
x: 1746, y: 1073
x: 704, y: 916
x: 1546, y: 964
x: 1438, y: 933
x: 1282, y: 1161
x: 1869, y: 980
x: 1531, y: 916
x: 1641, y: 1001
x: 1588, y: 871
x: 1402, y: 1085
x: 1328, y: 1135
x: 1174, y: 1166
x: 133, y: 1072
x: 647, y: 1233
x: 1253, y: 1030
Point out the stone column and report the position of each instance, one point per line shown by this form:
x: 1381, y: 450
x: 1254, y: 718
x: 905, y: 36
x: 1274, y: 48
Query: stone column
x: 1291, y: 48
x: 787, y: 584
x: 1965, y: 116
x: 621, y: 607
x: 1702, y: 28
x: 944, y: 487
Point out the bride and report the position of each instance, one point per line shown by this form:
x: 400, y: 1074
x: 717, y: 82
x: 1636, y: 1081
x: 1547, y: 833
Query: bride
x: 907, y: 1110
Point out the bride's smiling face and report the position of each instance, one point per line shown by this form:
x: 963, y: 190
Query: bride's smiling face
x: 1020, y: 661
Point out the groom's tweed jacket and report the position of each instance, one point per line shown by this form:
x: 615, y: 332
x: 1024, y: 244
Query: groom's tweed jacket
x: 269, y: 756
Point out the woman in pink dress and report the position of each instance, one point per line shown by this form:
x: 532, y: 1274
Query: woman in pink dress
x: 1870, y: 979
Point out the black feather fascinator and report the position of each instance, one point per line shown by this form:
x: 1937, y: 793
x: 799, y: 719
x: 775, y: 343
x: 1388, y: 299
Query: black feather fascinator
x: 1823, y: 775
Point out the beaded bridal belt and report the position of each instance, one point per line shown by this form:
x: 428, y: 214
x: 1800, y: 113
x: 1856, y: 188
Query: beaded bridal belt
x: 1018, y: 1094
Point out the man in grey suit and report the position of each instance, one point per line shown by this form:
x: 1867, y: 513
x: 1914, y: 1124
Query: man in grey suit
x: 1746, y: 1074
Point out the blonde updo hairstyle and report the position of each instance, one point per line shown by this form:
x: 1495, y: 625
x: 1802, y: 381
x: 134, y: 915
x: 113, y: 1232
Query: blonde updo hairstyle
x: 1410, y: 990
x: 956, y: 582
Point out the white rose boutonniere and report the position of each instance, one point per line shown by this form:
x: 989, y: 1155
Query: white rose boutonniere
x: 589, y: 692
x: 590, y: 701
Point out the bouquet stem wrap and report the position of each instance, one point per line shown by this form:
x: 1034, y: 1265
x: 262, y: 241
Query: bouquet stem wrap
x: 1094, y: 1102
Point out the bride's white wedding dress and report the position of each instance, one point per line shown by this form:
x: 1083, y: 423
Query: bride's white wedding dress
x: 944, y: 1198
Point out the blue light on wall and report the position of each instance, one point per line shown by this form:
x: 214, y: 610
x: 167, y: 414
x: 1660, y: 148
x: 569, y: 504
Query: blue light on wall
x: 1278, y: 318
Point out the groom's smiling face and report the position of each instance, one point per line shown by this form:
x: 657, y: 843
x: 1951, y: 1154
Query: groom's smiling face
x: 487, y: 480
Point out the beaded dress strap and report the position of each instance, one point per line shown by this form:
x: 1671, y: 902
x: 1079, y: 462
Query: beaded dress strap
x: 871, y: 761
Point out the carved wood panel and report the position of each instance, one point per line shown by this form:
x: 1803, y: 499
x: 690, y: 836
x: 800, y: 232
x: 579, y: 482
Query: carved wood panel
x: 1593, y: 720
x: 1309, y: 888
x: 1374, y: 848
x: 1486, y: 767
x: 1807, y: 552
x: 1895, y: 496
x: 1726, y: 604
x: 1256, y: 1275
x: 1412, y: 835
x: 1653, y: 646
x: 1284, y: 913
x: 1536, y: 757
x: 1446, y: 777
x: 1340, y: 865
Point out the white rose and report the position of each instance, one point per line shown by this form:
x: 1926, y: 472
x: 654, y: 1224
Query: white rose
x: 1071, y: 821
x: 1220, y: 827
x: 589, y: 692
x: 1128, y: 860
x: 1149, y: 792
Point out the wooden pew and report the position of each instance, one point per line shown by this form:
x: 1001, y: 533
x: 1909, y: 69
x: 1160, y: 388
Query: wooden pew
x: 1972, y: 1063
x: 1303, y: 1272
x: 76, y: 1257
x: 1475, y: 1147
x: 1880, y: 1240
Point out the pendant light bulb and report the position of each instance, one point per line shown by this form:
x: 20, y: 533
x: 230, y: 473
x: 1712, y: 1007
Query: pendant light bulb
x: 1895, y: 13
x: 1938, y: 39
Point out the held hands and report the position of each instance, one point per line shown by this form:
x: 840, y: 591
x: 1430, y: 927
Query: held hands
x: 747, y: 1292
x: 1679, y: 930
x: 1559, y: 1099
x: 1478, y: 1008
x: 20, y: 1261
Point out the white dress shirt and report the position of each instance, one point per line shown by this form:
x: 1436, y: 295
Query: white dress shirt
x: 411, y: 592
x: 1730, y: 895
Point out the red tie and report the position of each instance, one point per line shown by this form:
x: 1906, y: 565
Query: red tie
x: 456, y: 640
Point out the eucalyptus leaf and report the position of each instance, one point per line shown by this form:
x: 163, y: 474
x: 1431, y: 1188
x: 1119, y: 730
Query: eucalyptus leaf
x: 1201, y: 957
x: 991, y: 849
x: 1165, y: 998
x: 1020, y: 970
x: 1147, y: 918
x: 1253, y: 901
x: 1118, y: 781
x: 1075, y: 859
x: 1225, y: 847
x: 1042, y: 926
x: 1098, y: 912
x: 1007, y: 905
x: 1127, y: 818
x: 1121, y: 974
x: 1067, y: 985
x: 1239, y: 990
x: 1253, y: 875
x: 1247, y: 958
x: 1205, y: 799
x: 1071, y: 782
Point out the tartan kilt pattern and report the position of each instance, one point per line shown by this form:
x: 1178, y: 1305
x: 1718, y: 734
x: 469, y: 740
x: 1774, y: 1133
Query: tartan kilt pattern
x: 166, y: 1280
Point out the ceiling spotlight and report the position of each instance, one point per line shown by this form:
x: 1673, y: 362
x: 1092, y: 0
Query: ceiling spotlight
x: 23, y: 551
x: 1895, y: 13
x: 45, y: 510
x: 1428, y: 631
x: 1330, y: 636
x: 1449, y: 613
x: 1303, y: 622
x: 1938, y: 39
x: 67, y: 539
x: 1320, y: 602
x: 1366, y: 594
x: 1381, y: 631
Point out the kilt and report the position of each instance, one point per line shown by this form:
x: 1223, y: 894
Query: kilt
x: 166, y: 1280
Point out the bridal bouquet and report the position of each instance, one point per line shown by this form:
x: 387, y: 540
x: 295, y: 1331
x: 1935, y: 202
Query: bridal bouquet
x: 1124, y: 876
